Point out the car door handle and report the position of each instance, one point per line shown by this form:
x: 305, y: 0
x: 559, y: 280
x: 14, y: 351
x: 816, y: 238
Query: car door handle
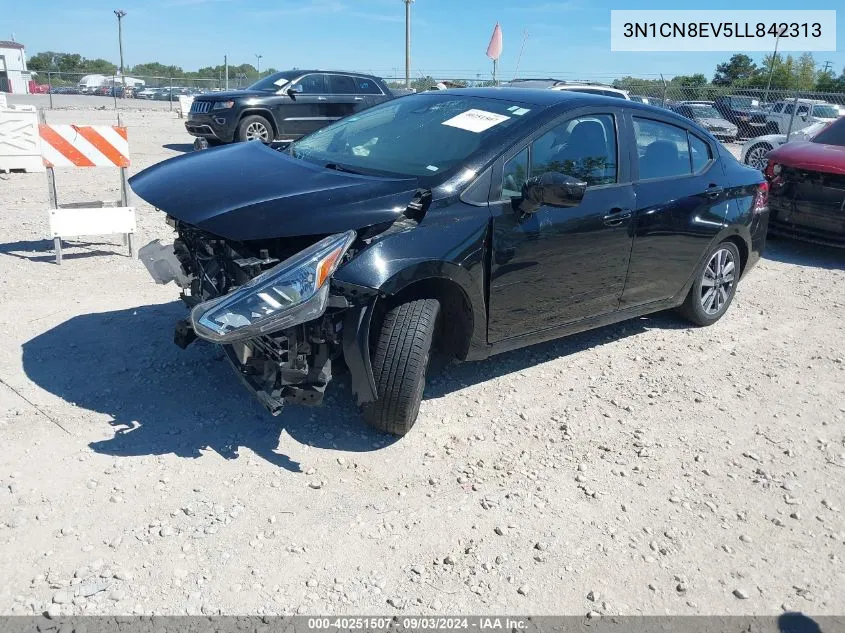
x: 321, y: 98
x: 359, y: 98
x: 617, y: 217
x: 713, y: 191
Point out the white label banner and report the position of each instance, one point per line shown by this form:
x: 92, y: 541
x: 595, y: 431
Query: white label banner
x: 476, y: 120
x: 722, y: 30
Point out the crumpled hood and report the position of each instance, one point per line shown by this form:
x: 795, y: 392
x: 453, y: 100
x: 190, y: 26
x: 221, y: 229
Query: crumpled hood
x: 810, y: 156
x: 247, y: 191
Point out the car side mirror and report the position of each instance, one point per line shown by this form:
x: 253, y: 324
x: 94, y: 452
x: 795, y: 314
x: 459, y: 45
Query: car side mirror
x: 293, y: 91
x: 551, y: 189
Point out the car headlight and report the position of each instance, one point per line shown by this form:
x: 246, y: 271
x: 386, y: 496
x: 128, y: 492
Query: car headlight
x: 222, y: 105
x: 288, y: 294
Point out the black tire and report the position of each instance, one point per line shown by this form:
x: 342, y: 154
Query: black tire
x: 697, y: 307
x: 751, y: 157
x: 400, y: 361
x: 250, y: 126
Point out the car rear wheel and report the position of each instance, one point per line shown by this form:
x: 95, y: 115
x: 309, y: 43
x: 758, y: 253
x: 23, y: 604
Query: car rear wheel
x: 255, y: 128
x: 400, y: 361
x: 714, y: 287
x: 757, y: 154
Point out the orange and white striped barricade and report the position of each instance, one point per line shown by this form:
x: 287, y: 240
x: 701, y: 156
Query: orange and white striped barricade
x: 77, y: 146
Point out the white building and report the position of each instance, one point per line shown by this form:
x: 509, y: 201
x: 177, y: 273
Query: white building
x: 14, y: 76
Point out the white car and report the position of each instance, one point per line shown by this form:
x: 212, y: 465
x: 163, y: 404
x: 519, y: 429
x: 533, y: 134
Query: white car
x: 147, y: 93
x: 755, y: 151
x: 809, y: 111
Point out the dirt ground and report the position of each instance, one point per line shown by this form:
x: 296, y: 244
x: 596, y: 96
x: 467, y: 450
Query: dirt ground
x: 644, y: 468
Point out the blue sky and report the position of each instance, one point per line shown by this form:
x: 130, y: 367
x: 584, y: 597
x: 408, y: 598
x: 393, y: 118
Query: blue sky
x: 568, y: 38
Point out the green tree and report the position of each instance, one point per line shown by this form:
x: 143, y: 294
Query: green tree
x: 100, y: 66
x: 739, y: 68
x: 155, y: 69
x: 829, y: 82
x: 688, y: 86
x: 804, y: 73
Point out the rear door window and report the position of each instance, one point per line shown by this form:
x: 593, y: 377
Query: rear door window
x: 342, y: 85
x: 662, y: 149
x: 700, y: 154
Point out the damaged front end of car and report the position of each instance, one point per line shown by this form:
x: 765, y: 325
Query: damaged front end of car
x: 271, y: 304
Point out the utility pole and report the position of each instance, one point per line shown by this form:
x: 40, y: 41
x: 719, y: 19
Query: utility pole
x: 258, y: 57
x: 408, y: 43
x: 120, y: 13
x: 827, y: 66
x: 771, y: 70
x: 226, y: 69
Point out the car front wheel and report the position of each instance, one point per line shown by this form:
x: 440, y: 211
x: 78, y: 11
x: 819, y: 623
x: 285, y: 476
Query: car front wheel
x: 757, y: 155
x: 714, y: 287
x: 400, y: 360
x: 255, y: 128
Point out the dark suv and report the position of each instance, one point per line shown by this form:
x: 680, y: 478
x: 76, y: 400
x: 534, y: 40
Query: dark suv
x: 284, y: 106
x: 739, y: 110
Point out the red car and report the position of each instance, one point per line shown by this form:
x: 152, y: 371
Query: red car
x: 807, y: 187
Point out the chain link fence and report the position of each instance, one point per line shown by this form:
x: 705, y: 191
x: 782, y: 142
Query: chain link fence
x: 70, y: 90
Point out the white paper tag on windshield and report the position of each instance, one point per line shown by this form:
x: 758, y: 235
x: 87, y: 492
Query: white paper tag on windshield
x: 476, y: 120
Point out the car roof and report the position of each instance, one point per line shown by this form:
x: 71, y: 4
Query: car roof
x: 591, y: 86
x: 549, y: 98
x: 535, y: 96
x: 307, y: 71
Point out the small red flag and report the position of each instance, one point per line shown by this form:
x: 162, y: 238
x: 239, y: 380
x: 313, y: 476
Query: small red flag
x: 494, y: 50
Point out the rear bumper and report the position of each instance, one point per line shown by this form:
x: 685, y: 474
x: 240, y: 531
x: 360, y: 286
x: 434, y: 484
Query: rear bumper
x: 807, y: 221
x: 215, y: 127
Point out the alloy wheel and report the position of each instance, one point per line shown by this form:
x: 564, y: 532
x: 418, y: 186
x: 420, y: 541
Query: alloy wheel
x: 758, y: 157
x: 717, y: 282
x: 256, y: 131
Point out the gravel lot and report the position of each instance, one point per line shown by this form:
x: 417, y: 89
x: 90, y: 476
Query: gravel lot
x: 644, y: 468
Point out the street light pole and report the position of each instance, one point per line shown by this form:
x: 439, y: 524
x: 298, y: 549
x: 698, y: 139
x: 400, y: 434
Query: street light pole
x: 258, y: 57
x: 771, y: 69
x: 120, y: 13
x: 408, y: 43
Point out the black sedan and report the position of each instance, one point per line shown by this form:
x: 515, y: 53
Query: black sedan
x: 471, y: 221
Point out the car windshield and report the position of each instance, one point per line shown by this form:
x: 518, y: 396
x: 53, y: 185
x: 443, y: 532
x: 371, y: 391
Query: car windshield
x: 825, y: 111
x: 273, y: 83
x: 427, y: 135
x: 833, y: 134
x: 705, y: 112
x: 741, y: 102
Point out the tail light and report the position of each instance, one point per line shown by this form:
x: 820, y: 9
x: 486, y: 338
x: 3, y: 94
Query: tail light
x: 761, y: 198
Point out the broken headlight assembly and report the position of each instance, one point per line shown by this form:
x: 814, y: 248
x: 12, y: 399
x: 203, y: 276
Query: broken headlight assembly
x: 290, y: 293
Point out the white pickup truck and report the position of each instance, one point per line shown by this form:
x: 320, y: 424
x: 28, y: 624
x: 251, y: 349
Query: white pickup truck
x: 809, y: 111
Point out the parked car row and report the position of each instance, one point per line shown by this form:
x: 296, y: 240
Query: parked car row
x: 168, y: 93
x: 128, y: 92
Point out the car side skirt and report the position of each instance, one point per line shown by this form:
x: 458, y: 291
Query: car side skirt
x: 583, y: 325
